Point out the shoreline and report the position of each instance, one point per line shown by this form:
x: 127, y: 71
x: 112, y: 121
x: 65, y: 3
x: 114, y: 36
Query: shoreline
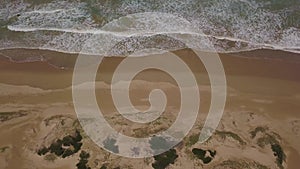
x: 243, y: 53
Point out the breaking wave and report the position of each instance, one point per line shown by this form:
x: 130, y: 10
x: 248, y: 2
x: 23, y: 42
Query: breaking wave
x: 130, y: 25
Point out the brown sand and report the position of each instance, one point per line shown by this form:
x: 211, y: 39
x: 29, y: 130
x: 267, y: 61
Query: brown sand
x: 264, y: 82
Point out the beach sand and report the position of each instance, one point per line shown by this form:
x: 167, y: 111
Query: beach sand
x: 263, y: 90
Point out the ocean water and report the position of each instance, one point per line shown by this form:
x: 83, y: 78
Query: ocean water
x: 120, y: 27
